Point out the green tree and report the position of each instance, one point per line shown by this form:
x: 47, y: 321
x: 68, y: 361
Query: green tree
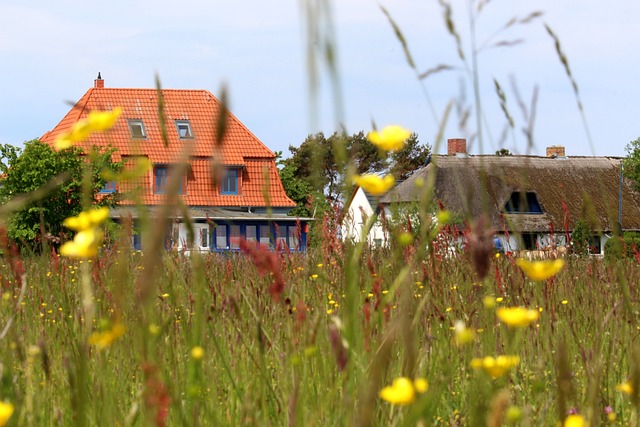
x: 503, y: 152
x: 32, y: 168
x: 318, y: 160
x: 581, y: 237
x: 412, y: 157
x: 631, y: 164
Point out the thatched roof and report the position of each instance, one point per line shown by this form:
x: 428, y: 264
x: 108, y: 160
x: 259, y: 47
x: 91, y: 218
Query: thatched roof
x: 568, y: 189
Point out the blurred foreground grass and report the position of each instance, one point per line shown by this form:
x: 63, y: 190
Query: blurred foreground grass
x: 214, y: 347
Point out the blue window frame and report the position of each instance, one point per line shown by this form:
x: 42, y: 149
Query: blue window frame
x: 109, y: 187
x: 523, y: 203
x: 227, y: 237
x: 230, y: 182
x: 161, y: 175
x: 161, y: 179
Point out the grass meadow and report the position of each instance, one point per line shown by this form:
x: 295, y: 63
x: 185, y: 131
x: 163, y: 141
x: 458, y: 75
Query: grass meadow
x: 341, y: 335
x: 269, y: 338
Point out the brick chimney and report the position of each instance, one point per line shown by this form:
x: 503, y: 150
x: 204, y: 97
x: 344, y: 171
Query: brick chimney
x: 98, y: 83
x: 556, y: 151
x: 456, y: 146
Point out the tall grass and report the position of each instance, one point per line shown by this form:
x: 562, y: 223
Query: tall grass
x: 313, y: 357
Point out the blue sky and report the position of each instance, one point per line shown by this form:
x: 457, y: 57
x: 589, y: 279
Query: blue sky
x: 52, y: 51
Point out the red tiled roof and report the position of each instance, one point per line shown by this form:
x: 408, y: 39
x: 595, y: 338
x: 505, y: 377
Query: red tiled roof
x: 239, y: 146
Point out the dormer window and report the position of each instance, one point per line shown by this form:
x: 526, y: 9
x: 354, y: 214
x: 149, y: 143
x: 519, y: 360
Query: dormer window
x: 136, y: 129
x: 229, y: 184
x: 184, y: 129
x: 523, y: 203
x: 161, y: 176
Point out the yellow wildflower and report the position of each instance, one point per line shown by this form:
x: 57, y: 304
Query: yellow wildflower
x: 403, y: 390
x: 87, y: 240
x: 443, y: 217
x: 84, y: 245
x: 421, y: 385
x: 517, y: 316
x: 100, y: 121
x: 625, y: 387
x: 96, y: 121
x: 104, y: 339
x: 495, y: 367
x: 540, y: 270
x: 197, y: 353
x: 374, y: 184
x: 489, y: 301
x: 463, y: 335
x: 6, y: 410
x: 390, y: 138
x: 574, y: 420
x: 87, y: 219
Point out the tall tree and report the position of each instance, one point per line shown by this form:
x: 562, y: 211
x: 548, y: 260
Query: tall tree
x: 410, y: 158
x: 317, y: 161
x: 32, y: 168
x: 631, y: 164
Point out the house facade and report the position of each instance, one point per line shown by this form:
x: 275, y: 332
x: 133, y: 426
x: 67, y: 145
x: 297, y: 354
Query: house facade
x: 356, y: 212
x: 229, y: 188
x: 532, y: 202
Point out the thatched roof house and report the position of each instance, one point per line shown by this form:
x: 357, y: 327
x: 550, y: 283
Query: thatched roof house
x: 529, y: 194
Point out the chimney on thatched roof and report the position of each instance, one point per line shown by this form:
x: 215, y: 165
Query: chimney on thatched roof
x: 556, y: 151
x: 457, y: 147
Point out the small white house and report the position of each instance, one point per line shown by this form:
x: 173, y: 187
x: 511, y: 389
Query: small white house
x: 356, y: 212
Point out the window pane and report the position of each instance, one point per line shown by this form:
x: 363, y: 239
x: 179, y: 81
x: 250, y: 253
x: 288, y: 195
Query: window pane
x: 184, y: 129
x: 251, y: 233
x: 265, y: 235
x: 204, y: 237
x: 109, y: 187
x: 136, y: 129
x: 293, y: 237
x: 230, y: 182
x: 281, y: 236
x: 234, y: 236
x: 162, y: 179
x: 221, y: 237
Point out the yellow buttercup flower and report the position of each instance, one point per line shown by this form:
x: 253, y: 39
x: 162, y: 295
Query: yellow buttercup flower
x: 574, y: 420
x: 517, y: 316
x: 100, y: 121
x: 96, y: 121
x: 463, y: 334
x: 540, y: 270
x: 403, y: 390
x: 374, y: 184
x: 87, y: 219
x: 443, y: 217
x: 390, y: 138
x: 87, y: 240
x: 104, y: 339
x: 6, y: 410
x: 421, y: 385
x: 85, y: 244
x: 495, y: 367
x: 489, y: 301
x: 625, y: 387
x: 197, y: 353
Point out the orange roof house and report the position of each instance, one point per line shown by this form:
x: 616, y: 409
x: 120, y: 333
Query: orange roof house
x: 246, y: 200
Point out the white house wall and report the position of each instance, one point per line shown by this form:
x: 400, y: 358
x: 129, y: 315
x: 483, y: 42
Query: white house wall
x: 359, y: 211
